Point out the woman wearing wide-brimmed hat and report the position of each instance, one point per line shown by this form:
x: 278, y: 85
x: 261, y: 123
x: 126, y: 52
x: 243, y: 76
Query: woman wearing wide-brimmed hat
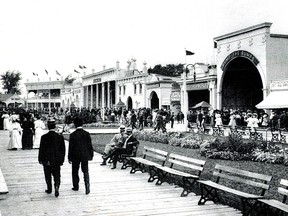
x: 15, y: 133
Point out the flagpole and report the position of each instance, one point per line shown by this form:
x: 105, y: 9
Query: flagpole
x: 185, y: 96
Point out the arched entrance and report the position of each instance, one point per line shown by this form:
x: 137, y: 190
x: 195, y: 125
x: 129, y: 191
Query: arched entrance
x: 241, y: 85
x: 154, y: 100
x: 129, y: 103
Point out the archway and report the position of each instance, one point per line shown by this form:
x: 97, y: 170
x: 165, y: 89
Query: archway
x: 241, y: 85
x: 129, y: 103
x: 154, y: 100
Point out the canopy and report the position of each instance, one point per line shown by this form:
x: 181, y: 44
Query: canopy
x: 275, y: 100
x: 120, y: 104
x: 202, y: 104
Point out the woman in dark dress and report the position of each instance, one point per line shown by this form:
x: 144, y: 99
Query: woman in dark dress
x: 28, y: 132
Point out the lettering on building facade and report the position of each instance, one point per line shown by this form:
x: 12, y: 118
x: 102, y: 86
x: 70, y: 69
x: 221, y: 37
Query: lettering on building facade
x: 97, y: 80
x: 156, y: 85
x: 239, y: 53
x: 279, y: 85
x: 197, y: 86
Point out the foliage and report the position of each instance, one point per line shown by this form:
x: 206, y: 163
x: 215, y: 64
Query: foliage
x: 168, y: 70
x: 232, y: 148
x: 11, y: 82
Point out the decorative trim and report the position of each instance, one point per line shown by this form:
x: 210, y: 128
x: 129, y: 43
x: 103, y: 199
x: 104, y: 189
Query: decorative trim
x: 251, y: 41
x: 264, y: 38
x: 228, y: 47
x: 236, y: 54
x: 239, y: 44
x: 218, y: 48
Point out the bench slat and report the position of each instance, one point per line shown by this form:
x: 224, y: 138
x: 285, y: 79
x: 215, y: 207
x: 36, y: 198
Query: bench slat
x: 160, y: 157
x: 230, y: 190
x: 284, y: 182
x: 244, y: 173
x: 275, y: 203
x: 191, y: 166
x: 283, y: 191
x: 177, y: 172
x: 184, y: 158
x: 238, y: 179
x: 158, y: 151
x: 146, y: 162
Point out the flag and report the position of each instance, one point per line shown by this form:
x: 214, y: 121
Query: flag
x: 35, y: 74
x: 46, y: 71
x: 58, y: 73
x: 189, y: 52
x: 80, y: 67
x: 84, y: 67
x: 76, y: 71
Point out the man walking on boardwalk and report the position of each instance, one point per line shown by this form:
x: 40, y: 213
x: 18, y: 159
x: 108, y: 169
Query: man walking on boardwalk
x: 80, y: 152
x: 52, y: 156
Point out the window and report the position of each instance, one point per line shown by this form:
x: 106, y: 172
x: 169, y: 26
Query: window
x: 119, y: 90
x: 135, y: 89
x: 124, y: 90
x: 140, y: 88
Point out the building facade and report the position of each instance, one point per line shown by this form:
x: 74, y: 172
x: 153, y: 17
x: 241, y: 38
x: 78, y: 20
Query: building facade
x: 248, y: 60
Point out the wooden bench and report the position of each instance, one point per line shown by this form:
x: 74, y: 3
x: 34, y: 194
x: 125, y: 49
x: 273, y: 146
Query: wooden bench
x: 187, y: 168
x: 3, y: 186
x: 279, y: 206
x: 209, y: 189
x: 151, y: 158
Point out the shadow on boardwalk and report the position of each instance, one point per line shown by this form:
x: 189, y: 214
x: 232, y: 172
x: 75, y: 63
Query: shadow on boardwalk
x: 113, y: 192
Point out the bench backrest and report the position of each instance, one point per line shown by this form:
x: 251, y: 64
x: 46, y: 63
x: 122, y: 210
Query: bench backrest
x: 243, y: 176
x: 153, y: 153
x: 284, y: 189
x: 191, y: 163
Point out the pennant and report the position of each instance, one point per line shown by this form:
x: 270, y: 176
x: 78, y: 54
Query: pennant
x: 35, y: 74
x: 46, y: 71
x: 80, y: 67
x: 84, y: 67
x: 58, y: 73
x: 189, y: 52
x: 76, y: 71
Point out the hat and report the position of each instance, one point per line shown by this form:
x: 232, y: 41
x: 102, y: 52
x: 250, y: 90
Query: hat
x: 129, y: 130
x: 122, y: 127
x: 51, y: 121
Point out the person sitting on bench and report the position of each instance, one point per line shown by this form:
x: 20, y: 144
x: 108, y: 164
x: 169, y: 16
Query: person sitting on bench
x: 127, y: 147
x: 117, y: 140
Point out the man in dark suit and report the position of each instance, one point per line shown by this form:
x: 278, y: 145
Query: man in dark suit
x: 52, y: 156
x: 80, y: 152
x: 126, y: 148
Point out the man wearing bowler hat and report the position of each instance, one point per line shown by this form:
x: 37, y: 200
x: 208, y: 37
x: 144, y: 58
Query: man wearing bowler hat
x: 117, y: 141
x: 51, y: 156
x: 79, y: 153
x: 126, y: 148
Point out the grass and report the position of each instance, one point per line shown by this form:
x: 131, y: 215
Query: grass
x: 277, y: 171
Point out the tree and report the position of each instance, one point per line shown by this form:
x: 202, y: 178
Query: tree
x: 168, y: 70
x: 11, y: 81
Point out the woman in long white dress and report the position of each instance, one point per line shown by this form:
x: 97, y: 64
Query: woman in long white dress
x: 39, y: 127
x: 15, y: 133
x: 6, y: 121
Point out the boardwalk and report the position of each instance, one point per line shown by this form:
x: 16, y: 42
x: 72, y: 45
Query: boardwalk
x: 113, y: 192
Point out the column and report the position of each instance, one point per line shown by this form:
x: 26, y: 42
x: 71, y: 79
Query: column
x: 49, y: 103
x: 102, y: 100
x: 144, y: 95
x: 86, y: 97
x: 97, y: 95
x: 91, y: 97
x: 108, y: 95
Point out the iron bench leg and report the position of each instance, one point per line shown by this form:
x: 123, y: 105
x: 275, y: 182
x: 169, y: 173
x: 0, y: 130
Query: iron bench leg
x: 154, y: 173
x: 187, y: 186
x: 210, y: 195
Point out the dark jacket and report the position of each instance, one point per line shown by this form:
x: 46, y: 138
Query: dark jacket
x: 52, y: 149
x: 131, y: 142
x: 80, y: 146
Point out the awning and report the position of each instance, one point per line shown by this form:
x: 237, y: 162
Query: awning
x: 275, y: 100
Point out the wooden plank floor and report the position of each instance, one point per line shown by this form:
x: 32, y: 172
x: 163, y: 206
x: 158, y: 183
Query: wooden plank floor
x: 113, y: 192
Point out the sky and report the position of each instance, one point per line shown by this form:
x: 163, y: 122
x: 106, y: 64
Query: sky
x: 62, y: 34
